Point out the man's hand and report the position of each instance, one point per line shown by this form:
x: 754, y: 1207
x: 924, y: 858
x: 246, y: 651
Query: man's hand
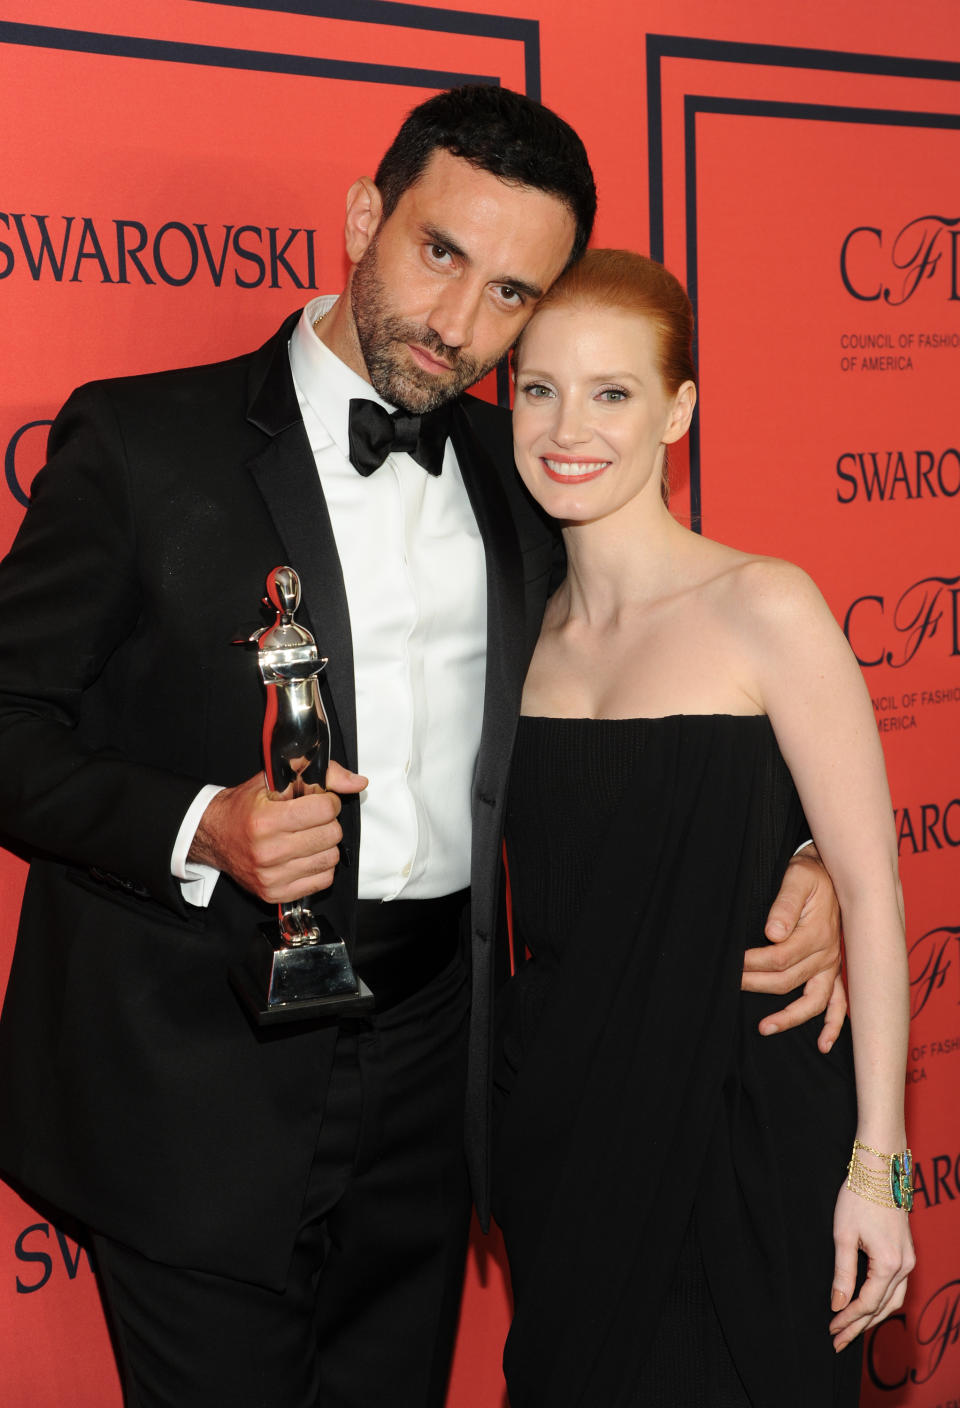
x: 804, y: 929
x: 280, y: 848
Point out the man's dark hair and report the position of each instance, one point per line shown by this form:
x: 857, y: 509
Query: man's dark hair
x: 499, y: 131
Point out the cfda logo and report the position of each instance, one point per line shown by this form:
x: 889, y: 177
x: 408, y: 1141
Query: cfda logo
x: 897, y: 1357
x: 885, y: 630
x: 933, y: 967
x: 875, y: 264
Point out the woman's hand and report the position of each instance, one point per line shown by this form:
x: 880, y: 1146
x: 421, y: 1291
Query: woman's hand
x: 884, y: 1235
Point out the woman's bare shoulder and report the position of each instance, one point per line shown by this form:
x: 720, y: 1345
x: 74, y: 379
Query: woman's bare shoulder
x: 764, y: 589
x: 771, y: 608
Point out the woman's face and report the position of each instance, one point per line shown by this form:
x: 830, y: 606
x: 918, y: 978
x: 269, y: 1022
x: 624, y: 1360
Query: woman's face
x: 591, y: 413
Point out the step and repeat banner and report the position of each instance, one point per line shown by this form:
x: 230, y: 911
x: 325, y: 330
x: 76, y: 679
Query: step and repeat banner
x: 173, y: 180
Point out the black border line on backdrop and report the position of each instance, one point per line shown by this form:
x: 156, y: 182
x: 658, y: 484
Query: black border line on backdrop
x: 662, y: 46
x: 444, y: 21
x: 405, y: 16
x: 127, y: 46
x: 694, y: 105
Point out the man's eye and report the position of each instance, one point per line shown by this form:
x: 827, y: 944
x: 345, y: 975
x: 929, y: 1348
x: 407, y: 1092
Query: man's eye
x: 509, y: 295
x: 439, y: 253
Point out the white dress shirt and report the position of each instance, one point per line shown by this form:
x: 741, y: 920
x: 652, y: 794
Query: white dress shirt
x: 414, y: 573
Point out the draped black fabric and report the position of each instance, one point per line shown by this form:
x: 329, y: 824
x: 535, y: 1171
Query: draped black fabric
x: 632, y: 1088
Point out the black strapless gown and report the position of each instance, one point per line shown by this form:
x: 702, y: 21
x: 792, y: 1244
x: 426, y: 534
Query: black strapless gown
x: 664, y: 1177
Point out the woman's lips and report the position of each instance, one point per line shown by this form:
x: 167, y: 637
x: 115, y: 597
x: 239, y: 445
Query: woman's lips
x: 572, y: 471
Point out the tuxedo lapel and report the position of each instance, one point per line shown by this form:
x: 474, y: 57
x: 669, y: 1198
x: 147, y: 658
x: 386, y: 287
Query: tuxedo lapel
x: 506, y: 660
x: 286, y: 474
x: 506, y: 664
x: 518, y: 554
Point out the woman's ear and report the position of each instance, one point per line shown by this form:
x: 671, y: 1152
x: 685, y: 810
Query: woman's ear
x: 364, y: 213
x: 681, y: 413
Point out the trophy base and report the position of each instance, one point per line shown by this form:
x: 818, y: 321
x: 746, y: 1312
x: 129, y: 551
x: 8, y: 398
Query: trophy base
x: 282, y: 983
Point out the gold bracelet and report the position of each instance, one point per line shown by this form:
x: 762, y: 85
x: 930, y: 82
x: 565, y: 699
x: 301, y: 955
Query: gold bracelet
x: 890, y: 1187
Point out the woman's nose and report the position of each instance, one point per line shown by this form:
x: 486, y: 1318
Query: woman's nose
x: 571, y: 426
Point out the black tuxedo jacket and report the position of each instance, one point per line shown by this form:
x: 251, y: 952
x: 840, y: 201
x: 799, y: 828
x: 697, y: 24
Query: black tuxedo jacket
x: 134, y: 1093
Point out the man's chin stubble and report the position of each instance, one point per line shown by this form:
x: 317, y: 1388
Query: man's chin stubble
x: 416, y: 390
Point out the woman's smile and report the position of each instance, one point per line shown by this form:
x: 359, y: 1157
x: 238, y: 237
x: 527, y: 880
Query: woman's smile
x: 570, y: 469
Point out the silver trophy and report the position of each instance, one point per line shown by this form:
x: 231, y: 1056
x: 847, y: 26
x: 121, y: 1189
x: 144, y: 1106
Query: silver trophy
x: 298, y: 966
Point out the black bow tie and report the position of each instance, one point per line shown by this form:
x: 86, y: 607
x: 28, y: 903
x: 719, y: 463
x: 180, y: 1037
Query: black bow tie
x: 376, y: 433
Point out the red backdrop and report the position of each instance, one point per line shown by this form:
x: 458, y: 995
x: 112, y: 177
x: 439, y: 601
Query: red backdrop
x: 173, y: 182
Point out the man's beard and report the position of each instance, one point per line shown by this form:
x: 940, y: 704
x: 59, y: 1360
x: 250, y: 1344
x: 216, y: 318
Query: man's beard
x: 392, y: 371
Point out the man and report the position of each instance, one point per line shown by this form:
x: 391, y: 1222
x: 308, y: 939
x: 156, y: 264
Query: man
x: 279, y: 1216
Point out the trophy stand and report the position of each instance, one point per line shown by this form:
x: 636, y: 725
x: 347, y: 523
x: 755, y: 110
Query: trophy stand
x: 297, y: 967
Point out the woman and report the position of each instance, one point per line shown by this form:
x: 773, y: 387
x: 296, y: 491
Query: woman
x: 666, y: 1180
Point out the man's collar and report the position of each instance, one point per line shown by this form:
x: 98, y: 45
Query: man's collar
x: 326, y: 383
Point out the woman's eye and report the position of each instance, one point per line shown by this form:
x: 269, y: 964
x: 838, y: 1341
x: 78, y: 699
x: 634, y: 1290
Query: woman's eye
x: 536, y: 391
x: 613, y: 393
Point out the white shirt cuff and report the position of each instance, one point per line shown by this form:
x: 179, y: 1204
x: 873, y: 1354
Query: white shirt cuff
x: 197, y: 880
x: 803, y: 845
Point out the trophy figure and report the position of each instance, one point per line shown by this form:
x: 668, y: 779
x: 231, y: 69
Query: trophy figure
x: 298, y: 966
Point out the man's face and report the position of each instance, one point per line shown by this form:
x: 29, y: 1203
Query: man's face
x: 447, y: 282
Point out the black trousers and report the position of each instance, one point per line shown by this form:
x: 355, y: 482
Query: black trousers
x: 369, y: 1312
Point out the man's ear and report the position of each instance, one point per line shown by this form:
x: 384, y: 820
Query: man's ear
x: 364, y: 212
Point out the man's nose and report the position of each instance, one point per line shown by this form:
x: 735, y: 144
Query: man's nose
x: 454, y: 314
